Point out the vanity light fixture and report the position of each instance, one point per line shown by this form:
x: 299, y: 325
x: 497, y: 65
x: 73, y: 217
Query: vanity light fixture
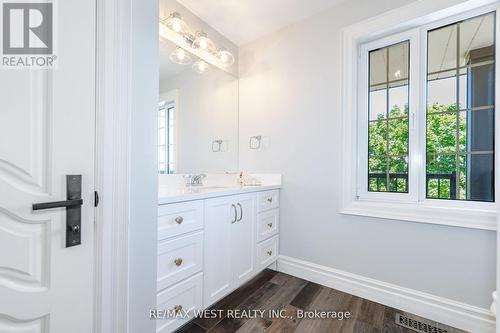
x: 196, y: 43
x: 201, y: 67
x: 180, y: 56
x: 225, y: 57
x: 175, y: 23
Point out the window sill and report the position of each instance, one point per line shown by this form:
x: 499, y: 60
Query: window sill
x: 417, y: 212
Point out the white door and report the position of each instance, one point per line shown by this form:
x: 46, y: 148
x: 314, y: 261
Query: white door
x: 47, y: 121
x: 243, y: 239
x: 220, y: 216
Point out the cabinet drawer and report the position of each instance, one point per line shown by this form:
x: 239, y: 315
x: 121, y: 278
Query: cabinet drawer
x: 267, y: 224
x: 184, y: 296
x: 267, y: 252
x: 179, y: 218
x: 268, y: 200
x: 179, y: 258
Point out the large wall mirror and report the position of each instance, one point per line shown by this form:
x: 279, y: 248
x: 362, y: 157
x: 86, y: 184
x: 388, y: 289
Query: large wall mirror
x: 198, y: 105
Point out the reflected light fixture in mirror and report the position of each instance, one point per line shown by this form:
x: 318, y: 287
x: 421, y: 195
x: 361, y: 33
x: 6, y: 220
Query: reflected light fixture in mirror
x: 197, y: 44
x: 201, y: 67
x: 180, y: 56
x: 225, y: 57
x: 201, y: 41
x: 175, y: 23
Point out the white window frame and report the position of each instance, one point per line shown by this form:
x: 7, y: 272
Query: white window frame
x: 167, y: 99
x: 413, y: 206
x: 167, y: 105
x: 413, y: 163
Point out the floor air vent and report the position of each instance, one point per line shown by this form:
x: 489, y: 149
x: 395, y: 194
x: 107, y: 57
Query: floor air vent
x: 417, y: 326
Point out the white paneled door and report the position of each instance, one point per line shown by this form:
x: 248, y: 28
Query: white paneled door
x: 47, y: 131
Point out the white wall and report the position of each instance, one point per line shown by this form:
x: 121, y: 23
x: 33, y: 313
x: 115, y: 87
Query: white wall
x: 290, y: 92
x: 207, y: 110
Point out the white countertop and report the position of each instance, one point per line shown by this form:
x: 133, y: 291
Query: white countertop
x: 171, y: 188
x: 171, y: 195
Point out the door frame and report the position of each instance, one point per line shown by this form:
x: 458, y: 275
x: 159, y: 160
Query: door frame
x: 113, y: 110
x: 126, y: 120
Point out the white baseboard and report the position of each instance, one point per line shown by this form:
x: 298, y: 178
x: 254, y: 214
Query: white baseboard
x: 456, y: 314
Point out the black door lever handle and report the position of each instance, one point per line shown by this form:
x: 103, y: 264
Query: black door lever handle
x: 57, y: 204
x: 73, y: 206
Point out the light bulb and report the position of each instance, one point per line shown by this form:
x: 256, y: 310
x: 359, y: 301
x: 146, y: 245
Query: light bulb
x: 201, y: 67
x: 201, y: 41
x: 176, y: 26
x: 175, y: 23
x: 225, y: 57
x: 180, y: 56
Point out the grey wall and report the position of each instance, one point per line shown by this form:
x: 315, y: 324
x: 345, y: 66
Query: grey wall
x: 290, y: 92
x: 143, y: 165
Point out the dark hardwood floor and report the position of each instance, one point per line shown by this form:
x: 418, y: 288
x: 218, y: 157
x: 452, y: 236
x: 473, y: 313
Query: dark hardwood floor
x: 271, y: 290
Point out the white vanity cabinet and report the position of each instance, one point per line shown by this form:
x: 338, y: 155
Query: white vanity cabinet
x: 229, y: 244
x: 210, y: 246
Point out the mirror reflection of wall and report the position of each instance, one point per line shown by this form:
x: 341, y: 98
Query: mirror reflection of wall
x: 198, y: 105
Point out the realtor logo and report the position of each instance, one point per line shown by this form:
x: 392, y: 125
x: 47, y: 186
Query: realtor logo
x: 27, y: 34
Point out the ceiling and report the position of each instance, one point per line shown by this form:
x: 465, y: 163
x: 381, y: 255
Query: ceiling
x: 243, y: 21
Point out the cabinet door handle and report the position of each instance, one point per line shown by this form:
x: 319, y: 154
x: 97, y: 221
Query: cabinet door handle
x: 178, y: 261
x: 270, y: 199
x: 177, y: 309
x: 241, y: 212
x: 270, y: 225
x: 179, y: 219
x: 235, y: 214
x: 269, y: 253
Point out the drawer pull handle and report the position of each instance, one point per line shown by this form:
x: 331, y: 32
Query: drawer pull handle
x: 235, y: 214
x: 270, y: 225
x: 270, y: 253
x: 177, y: 309
x: 179, y: 219
x: 270, y: 199
x: 178, y: 262
x: 241, y: 212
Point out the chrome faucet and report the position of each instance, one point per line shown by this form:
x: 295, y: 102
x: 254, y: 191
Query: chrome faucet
x: 194, y: 180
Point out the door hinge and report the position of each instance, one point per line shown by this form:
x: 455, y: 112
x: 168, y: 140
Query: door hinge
x: 96, y: 199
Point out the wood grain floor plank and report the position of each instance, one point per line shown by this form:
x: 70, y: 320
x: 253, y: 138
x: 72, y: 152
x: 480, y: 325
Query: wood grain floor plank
x: 283, y: 296
x: 280, y: 278
x: 285, y: 325
x: 362, y: 327
x: 306, y: 296
x: 255, y: 326
x: 325, y: 300
x: 353, y: 306
x: 190, y: 327
x: 371, y: 313
x: 253, y: 302
x: 238, y: 296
